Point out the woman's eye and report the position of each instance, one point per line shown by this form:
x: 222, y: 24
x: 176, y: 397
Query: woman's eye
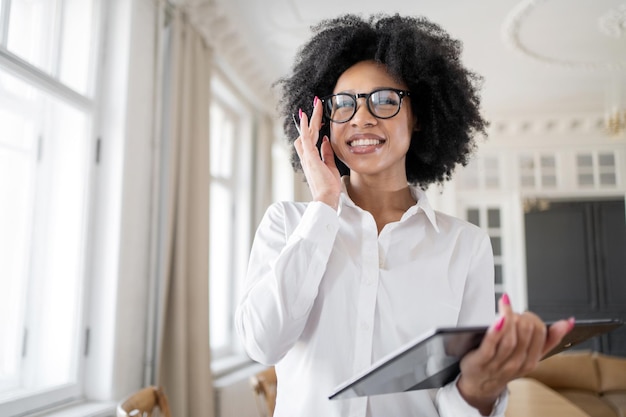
x: 342, y: 103
x: 385, y: 99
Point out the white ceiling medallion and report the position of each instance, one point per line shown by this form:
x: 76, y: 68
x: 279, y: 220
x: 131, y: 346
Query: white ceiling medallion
x: 610, y: 23
x: 613, y: 23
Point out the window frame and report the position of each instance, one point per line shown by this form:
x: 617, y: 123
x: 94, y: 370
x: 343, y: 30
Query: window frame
x: 224, y: 92
x: 51, y: 88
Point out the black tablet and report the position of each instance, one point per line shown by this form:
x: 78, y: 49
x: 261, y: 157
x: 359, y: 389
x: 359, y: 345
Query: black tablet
x: 432, y: 360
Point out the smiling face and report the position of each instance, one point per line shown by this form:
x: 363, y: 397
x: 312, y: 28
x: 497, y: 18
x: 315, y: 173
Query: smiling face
x: 370, y: 146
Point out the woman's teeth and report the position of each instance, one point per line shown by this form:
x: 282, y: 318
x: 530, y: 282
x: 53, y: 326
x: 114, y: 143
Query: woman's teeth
x: 365, y: 142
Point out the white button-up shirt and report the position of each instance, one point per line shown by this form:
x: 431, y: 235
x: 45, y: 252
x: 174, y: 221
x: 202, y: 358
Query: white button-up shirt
x: 326, y: 296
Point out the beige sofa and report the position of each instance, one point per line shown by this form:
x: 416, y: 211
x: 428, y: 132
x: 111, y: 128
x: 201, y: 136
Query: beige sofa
x: 573, y: 384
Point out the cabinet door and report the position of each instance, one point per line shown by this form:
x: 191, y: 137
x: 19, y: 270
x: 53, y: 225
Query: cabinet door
x: 576, y: 257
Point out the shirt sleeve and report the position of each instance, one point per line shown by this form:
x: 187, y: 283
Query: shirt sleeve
x: 450, y: 403
x: 478, y: 305
x: 287, y: 262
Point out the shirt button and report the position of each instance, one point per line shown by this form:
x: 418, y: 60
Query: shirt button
x: 381, y: 262
x: 364, y: 326
x: 329, y: 227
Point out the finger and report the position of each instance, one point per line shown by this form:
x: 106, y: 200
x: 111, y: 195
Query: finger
x: 501, y: 338
x: 535, y: 349
x: 489, y: 345
x: 310, y: 135
x: 298, y: 145
x: 328, y: 156
x: 316, y: 116
x: 556, y: 332
x: 307, y: 145
x: 504, y: 305
x: 304, y: 122
x: 529, y: 342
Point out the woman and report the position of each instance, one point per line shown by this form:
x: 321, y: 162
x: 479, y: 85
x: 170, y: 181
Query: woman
x: 367, y: 265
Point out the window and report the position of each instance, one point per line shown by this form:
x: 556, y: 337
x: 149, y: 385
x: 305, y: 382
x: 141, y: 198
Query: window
x: 538, y: 171
x: 488, y: 218
x: 482, y: 173
x: 46, y: 160
x: 596, y: 169
x: 230, y: 212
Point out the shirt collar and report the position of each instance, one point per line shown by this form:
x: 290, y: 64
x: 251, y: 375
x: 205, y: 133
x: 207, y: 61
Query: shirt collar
x: 422, y: 203
x: 418, y: 194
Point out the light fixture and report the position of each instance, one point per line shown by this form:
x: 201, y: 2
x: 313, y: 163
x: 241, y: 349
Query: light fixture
x: 615, y: 109
x: 615, y: 121
x: 613, y: 25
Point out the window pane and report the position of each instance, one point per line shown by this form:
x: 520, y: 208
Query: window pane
x: 584, y: 160
x: 17, y: 163
x: 585, y: 180
x: 607, y: 178
x: 469, y: 176
x: 528, y: 181
x: 55, y: 36
x: 496, y: 245
x: 527, y: 171
x: 61, y: 208
x: 221, y: 238
x: 492, y: 181
x: 547, y: 161
x: 491, y: 164
x: 606, y: 159
x: 548, y: 181
x: 473, y: 216
x: 222, y: 142
x: 527, y: 163
x: 77, y: 40
x: 44, y: 169
x: 31, y: 31
x: 498, y: 274
x: 493, y: 218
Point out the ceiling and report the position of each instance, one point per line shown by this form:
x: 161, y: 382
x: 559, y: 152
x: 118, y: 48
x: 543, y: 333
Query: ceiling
x: 542, y: 58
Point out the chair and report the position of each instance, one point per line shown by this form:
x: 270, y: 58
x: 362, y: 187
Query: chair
x: 143, y: 403
x: 264, y: 387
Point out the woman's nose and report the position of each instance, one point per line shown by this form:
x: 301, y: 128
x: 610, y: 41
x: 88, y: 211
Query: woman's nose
x: 363, y: 116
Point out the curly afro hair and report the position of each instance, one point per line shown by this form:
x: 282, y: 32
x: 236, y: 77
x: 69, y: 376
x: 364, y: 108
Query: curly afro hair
x: 444, y: 94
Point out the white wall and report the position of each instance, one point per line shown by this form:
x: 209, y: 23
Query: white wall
x: 118, y: 297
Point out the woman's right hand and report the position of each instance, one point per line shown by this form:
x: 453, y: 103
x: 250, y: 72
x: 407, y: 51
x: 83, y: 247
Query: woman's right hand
x: 321, y: 173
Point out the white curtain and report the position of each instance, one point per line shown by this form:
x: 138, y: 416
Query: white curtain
x: 183, y: 349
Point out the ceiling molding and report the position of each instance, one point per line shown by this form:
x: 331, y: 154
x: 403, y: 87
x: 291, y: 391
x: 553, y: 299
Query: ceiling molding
x: 572, y: 125
x: 612, y: 24
x: 222, y: 34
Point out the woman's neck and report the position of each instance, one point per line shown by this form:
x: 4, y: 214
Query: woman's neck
x: 387, y: 201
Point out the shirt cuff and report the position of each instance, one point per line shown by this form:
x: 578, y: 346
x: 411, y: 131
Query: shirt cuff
x: 451, y: 403
x: 319, y: 223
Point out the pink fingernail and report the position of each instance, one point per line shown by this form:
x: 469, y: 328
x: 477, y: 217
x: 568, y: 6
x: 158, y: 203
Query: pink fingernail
x: 300, y: 113
x: 505, y: 299
x: 572, y: 322
x: 315, y: 100
x: 499, y: 324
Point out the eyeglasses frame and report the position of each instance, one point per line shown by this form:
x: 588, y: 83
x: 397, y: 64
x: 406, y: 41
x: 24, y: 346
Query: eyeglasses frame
x: 366, y: 96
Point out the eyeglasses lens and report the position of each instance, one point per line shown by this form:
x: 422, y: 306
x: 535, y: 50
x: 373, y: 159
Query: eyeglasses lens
x: 382, y: 104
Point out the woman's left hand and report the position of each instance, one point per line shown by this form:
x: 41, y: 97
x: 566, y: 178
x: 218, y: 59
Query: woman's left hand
x: 512, y: 347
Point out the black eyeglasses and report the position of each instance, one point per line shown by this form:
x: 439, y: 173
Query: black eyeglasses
x: 383, y: 103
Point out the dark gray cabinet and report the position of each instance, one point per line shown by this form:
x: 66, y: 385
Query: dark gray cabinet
x: 576, y: 264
